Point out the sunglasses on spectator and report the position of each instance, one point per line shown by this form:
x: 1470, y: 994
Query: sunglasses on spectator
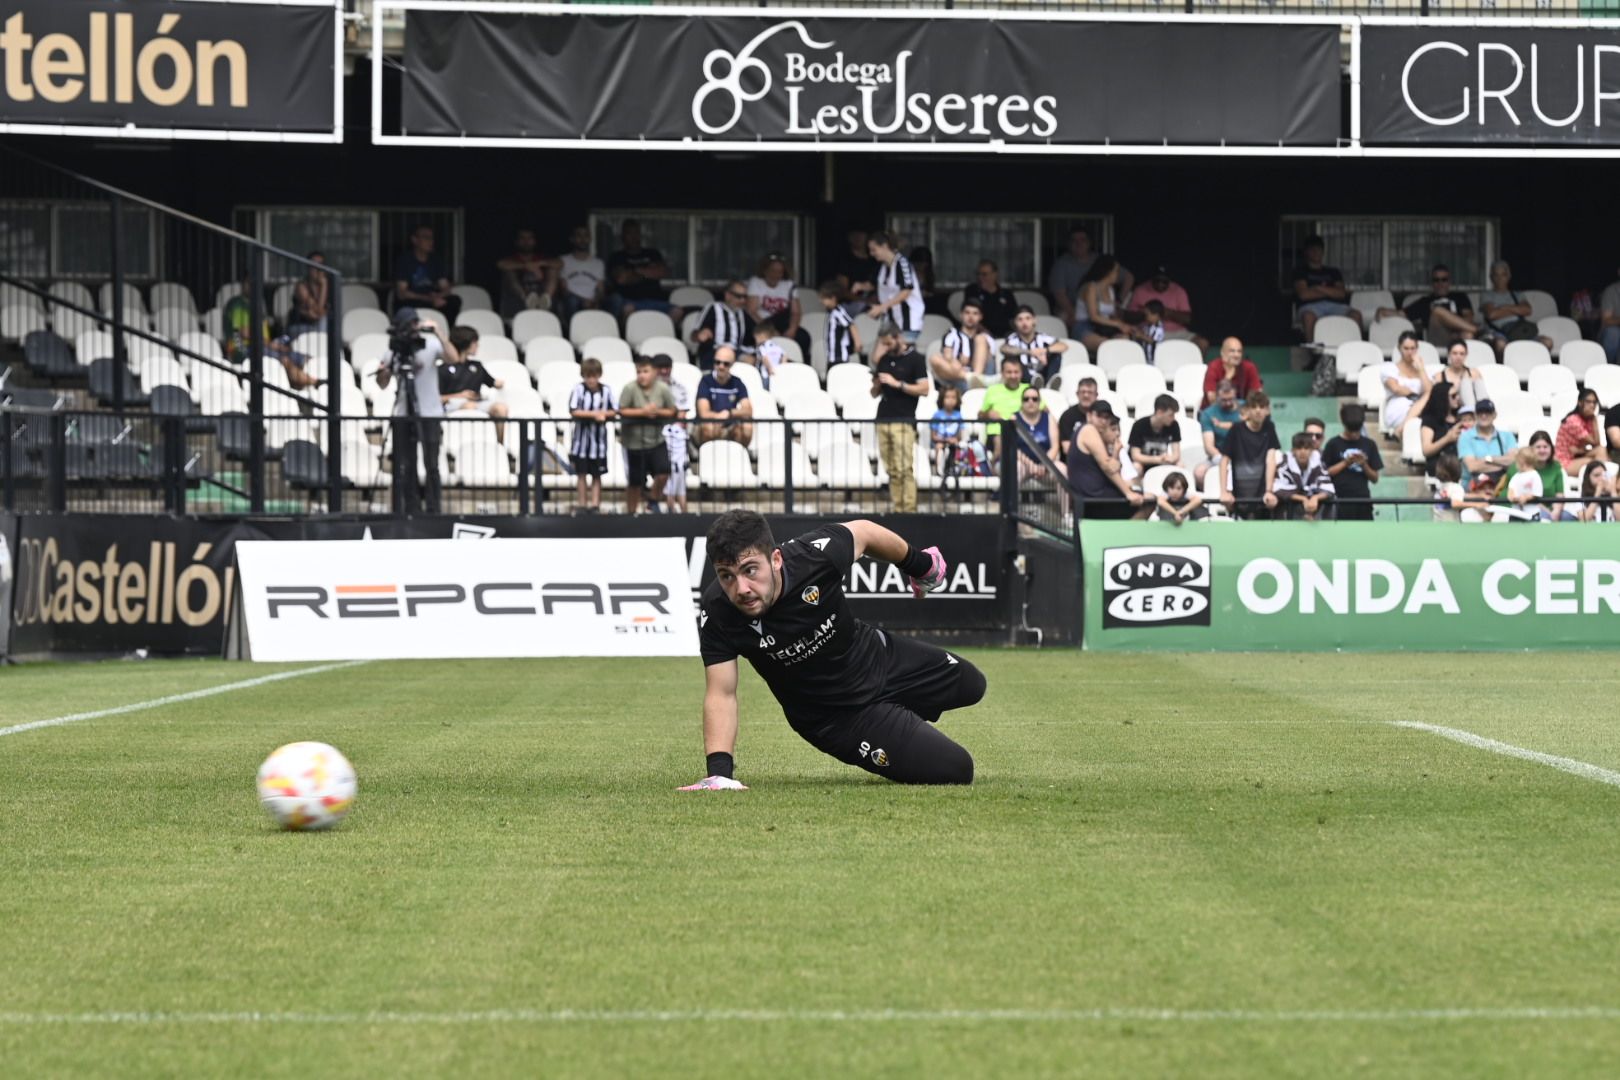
x: 1032, y: 397
x: 722, y: 363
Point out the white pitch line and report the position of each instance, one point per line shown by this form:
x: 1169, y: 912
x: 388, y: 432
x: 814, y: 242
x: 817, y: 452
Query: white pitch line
x: 1582, y: 769
x: 172, y: 699
x: 837, y: 1016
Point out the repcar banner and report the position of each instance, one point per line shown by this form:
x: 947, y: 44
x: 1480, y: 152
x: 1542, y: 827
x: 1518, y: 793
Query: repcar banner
x: 1528, y: 84
x: 172, y: 68
x: 1349, y: 585
x: 790, y: 80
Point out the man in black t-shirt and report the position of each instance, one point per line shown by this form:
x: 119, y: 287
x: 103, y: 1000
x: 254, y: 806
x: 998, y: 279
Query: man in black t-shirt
x: 1440, y: 315
x: 1319, y: 289
x: 1611, y: 426
x: 865, y: 696
x: 901, y: 377
x: 1156, y: 439
x: 1074, y: 417
x: 1249, y: 460
x: 1353, y: 461
x: 997, y: 305
x: 462, y: 382
x: 637, y: 274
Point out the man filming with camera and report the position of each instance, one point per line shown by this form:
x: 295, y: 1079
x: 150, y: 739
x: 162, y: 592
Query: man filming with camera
x: 414, y: 349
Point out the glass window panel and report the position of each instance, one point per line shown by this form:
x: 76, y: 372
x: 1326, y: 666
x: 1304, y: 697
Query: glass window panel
x: 1415, y: 246
x: 82, y: 250
x: 346, y: 237
x: 25, y: 240
x: 730, y: 247
x: 959, y: 241
x: 666, y: 232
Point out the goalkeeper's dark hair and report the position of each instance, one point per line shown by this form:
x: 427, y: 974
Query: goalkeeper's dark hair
x: 736, y: 532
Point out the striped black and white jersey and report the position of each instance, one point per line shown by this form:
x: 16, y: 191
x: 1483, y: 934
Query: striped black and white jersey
x: 894, y: 279
x: 590, y: 438
x: 959, y: 343
x: 731, y: 326
x: 840, y: 348
x: 1032, y: 365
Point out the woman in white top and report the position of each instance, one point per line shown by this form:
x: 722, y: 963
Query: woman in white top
x: 1406, y: 380
x: 771, y: 299
x: 1094, y: 321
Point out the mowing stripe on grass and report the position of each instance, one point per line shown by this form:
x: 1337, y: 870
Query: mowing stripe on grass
x: 1570, y: 765
x: 174, y: 699
x: 825, y: 1016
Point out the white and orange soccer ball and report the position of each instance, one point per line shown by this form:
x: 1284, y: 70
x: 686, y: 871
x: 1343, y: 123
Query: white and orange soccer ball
x: 307, y: 785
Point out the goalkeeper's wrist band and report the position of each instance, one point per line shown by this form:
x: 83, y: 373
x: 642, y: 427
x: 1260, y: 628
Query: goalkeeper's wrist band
x: 720, y: 764
x: 916, y: 563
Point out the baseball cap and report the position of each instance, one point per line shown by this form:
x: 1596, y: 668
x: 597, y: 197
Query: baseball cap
x: 1160, y: 271
x: 1485, y: 405
x: 404, y: 315
x: 1103, y: 409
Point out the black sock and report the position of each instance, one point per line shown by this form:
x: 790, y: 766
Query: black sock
x: 916, y: 563
x: 720, y: 764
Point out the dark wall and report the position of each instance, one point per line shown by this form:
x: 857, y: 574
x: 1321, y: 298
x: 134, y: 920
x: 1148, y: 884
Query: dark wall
x: 1213, y: 221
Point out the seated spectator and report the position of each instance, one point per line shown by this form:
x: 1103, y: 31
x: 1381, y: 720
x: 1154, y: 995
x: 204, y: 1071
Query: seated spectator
x: 1406, y: 381
x: 1150, y: 331
x: 294, y: 363
x: 420, y: 279
x: 1485, y: 450
x: 1303, y: 487
x: 1578, y: 439
x: 1469, y: 382
x: 997, y: 306
x: 645, y: 404
x: 1176, y: 307
x: 1215, y: 423
x: 1232, y: 366
x: 590, y: 407
x: 856, y: 273
x: 1609, y: 322
x: 583, y: 277
x: 1443, y: 422
x: 1451, y: 499
x: 1101, y: 490
x: 1003, y: 400
x: 461, y: 382
x: 899, y: 294
x: 312, y: 300
x: 1596, y: 484
x: 946, y: 430
x: 1353, y: 462
x: 1316, y: 428
x: 772, y: 299
x: 1249, y: 460
x: 724, y: 325
x: 1507, y: 314
x: 1097, y: 317
x: 1069, y: 271
x: 1036, y: 421
x: 723, y: 407
x: 1034, y: 350
x: 1156, y: 439
x: 922, y: 261
x: 237, y: 320
x: 1439, y: 315
x: 1085, y: 395
x: 675, y: 435
x: 768, y: 352
x: 1175, y: 505
x: 843, y: 341
x: 1536, y: 456
x: 964, y: 352
x: 637, y: 274
x: 1319, y: 289
x: 528, y: 278
x: 1611, y: 426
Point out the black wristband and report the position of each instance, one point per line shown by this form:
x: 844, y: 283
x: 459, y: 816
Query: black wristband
x: 720, y: 764
x: 916, y: 563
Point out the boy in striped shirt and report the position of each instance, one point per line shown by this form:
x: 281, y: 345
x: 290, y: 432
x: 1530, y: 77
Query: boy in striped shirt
x: 675, y: 437
x: 590, y: 406
x: 842, y: 339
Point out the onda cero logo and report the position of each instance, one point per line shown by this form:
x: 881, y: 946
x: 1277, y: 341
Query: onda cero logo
x: 1156, y: 586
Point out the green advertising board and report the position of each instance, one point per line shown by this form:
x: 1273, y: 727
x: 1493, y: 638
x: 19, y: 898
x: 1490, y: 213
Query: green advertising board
x: 1350, y: 585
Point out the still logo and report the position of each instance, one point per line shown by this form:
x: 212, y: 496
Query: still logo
x: 1156, y: 586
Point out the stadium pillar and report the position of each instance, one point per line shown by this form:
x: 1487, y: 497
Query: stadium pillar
x: 787, y: 472
x: 256, y: 381
x: 334, y: 392
x: 120, y: 355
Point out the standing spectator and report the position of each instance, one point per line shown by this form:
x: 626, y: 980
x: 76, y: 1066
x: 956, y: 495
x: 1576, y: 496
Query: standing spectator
x: 922, y: 261
x: 1036, y: 421
x: 1406, y: 381
x: 1507, y: 314
x: 1441, y: 314
x: 771, y: 299
x: 590, y: 406
x: 1609, y: 321
x: 768, y: 352
x: 1094, y: 473
x: 1215, y: 423
x: 312, y: 300
x: 899, y: 379
x: 644, y: 405
x: 675, y: 435
x: 420, y: 278
x: 1443, y: 422
x: 724, y: 325
x: 1249, y: 462
x: 1096, y: 316
x: 843, y: 341
x: 1233, y: 367
x: 1003, y: 400
x: 1177, y: 308
x: 899, y: 295
x: 1485, y: 450
x: 996, y: 305
x: 1156, y: 439
x: 723, y: 407
x: 1596, y: 484
x: 945, y: 430
x: 1074, y: 417
x: 1033, y: 349
x: 1578, y: 439
x: 461, y: 382
x: 964, y: 351
x: 856, y: 272
x: 637, y: 274
x: 1175, y: 505
x: 1303, y: 487
x: 417, y: 415
x: 1319, y: 289
x: 528, y: 278
x: 1353, y: 461
x: 584, y: 278
x: 1451, y: 500
x: 1150, y: 332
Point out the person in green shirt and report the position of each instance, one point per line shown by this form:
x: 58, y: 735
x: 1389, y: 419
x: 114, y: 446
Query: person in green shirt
x: 238, y: 317
x: 645, y: 405
x: 1001, y: 401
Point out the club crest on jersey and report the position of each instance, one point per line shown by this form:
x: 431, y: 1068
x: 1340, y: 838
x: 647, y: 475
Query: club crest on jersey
x: 820, y: 545
x: 811, y: 594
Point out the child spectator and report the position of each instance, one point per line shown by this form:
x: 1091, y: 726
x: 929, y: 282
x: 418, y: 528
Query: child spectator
x: 1353, y: 461
x: 1151, y: 332
x: 1249, y: 459
x: 1452, y: 499
x: 1303, y: 486
x: 843, y: 341
x: 946, y: 430
x: 1525, y: 488
x: 768, y: 354
x: 1596, y: 484
x: 1550, y: 475
x: 675, y: 436
x: 1175, y: 505
x: 591, y: 407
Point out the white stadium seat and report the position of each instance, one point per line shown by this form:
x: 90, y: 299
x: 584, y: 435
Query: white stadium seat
x: 1605, y: 379
x: 1553, y: 388
x: 1036, y: 301
x: 1352, y: 356
x: 134, y: 305
x: 17, y: 321
x: 1480, y: 353
x: 792, y: 353
x: 1386, y: 333
x: 172, y: 322
x: 691, y: 296
x: 170, y: 294
x: 1560, y: 330
x: 748, y: 374
x: 556, y: 382
x: 1370, y: 389
x: 473, y: 298
x: 1073, y: 371
x: 1138, y: 381
x: 1331, y: 331
x: 954, y: 302
x: 543, y: 351
x: 606, y: 349
x: 846, y: 381
x: 725, y: 464
x: 360, y: 321
x: 791, y: 380
x: 1187, y: 384
x: 494, y: 347
x: 435, y: 316
x: 532, y: 323
x: 359, y: 297
x: 618, y: 374
x: 1368, y: 301
x: 1118, y: 353
x: 1499, y: 381
x: 1542, y: 304
x: 672, y: 347
x: 1522, y: 357
x: 642, y: 325
x: 1581, y: 357
x: 1173, y: 354
x: 935, y: 327
x: 487, y: 323
x: 586, y: 325
x: 1051, y: 324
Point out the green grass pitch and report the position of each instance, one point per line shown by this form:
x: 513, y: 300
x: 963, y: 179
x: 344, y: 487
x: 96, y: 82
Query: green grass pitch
x: 1193, y: 866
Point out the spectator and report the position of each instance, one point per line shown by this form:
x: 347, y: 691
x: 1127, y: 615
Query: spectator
x: 1069, y: 272
x: 237, y: 319
x: 584, y: 278
x: 1215, y: 423
x: 771, y: 299
x: 1036, y: 421
x: 856, y: 273
x: 1440, y: 315
x: 675, y: 435
x: 1032, y: 349
x: 1443, y: 421
x: 1579, y: 441
x: 724, y: 325
x: 1094, y: 473
x: 1232, y: 366
x: 1406, y: 380
x: 1096, y: 316
x: 420, y: 279
x: 1507, y: 314
x: 1611, y: 426
x: 1175, y: 505
x: 1156, y: 439
x: 528, y: 278
x: 637, y: 274
x: 1527, y: 485
x: 644, y: 404
x: 997, y: 305
x: 1150, y: 332
x: 590, y: 406
x: 294, y: 363
x: 1303, y: 487
x: 461, y: 382
x: 1596, y: 484
x: 1469, y: 382
x: 312, y: 300
x: 899, y: 294
x: 946, y: 429
x: 964, y: 352
x: 768, y: 352
x: 1074, y: 417
x: 723, y: 407
x: 1172, y: 298
x: 417, y: 415
x: 843, y: 340
x: 1486, y: 451
x: 1609, y: 322
x: 1316, y: 428
x: 898, y: 380
x: 922, y: 261
x: 1319, y: 289
x: 1452, y: 500
x: 1004, y: 399
x: 1249, y: 460
x: 1353, y: 461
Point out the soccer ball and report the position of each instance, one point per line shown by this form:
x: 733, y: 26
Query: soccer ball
x: 307, y: 785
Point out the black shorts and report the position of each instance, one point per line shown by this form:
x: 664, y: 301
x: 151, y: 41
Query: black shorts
x: 588, y: 466
x: 894, y: 736
x: 640, y: 464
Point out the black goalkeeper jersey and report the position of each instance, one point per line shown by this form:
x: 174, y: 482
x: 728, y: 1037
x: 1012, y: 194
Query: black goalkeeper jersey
x: 816, y: 657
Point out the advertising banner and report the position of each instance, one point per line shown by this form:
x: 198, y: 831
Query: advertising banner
x: 1349, y: 585
x: 1527, y: 84
x: 788, y: 80
x: 172, y: 68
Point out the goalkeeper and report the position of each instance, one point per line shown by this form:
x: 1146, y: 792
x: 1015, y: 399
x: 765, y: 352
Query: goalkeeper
x: 866, y: 696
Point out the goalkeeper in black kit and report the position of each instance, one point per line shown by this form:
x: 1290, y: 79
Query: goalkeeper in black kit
x: 867, y: 697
